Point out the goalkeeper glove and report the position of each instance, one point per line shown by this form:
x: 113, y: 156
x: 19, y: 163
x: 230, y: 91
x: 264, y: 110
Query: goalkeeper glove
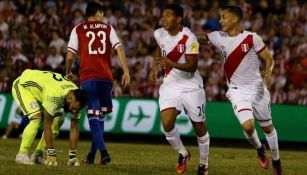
x: 51, y: 158
x: 73, y: 160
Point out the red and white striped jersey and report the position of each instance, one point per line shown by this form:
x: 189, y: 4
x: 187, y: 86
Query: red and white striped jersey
x: 94, y: 41
x: 240, y: 59
x: 179, y: 48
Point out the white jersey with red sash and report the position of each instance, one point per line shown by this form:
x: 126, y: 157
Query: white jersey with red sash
x: 178, y: 48
x: 240, y: 60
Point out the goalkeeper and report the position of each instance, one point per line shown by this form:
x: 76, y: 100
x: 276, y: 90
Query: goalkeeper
x: 41, y: 95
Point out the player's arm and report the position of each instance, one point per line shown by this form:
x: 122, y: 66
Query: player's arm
x: 74, y: 134
x: 69, y: 60
x: 73, y: 142
x: 153, y: 74
x: 202, y: 39
x: 267, y: 57
x: 123, y: 61
x: 189, y: 66
x: 51, y: 155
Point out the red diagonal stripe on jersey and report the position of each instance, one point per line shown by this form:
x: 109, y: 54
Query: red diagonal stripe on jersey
x: 236, y: 57
x: 175, y: 55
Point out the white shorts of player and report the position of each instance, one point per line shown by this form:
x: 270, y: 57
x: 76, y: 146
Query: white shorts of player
x: 192, y: 102
x: 257, y: 103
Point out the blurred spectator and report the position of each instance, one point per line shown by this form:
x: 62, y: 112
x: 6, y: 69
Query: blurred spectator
x: 29, y: 28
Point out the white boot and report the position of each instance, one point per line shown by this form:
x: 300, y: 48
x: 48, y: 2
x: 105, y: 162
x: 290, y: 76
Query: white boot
x: 23, y: 158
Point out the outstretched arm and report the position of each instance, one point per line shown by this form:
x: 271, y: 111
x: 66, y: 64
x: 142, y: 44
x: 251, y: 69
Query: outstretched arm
x: 123, y: 61
x: 48, y: 130
x: 269, y: 64
x: 202, y: 39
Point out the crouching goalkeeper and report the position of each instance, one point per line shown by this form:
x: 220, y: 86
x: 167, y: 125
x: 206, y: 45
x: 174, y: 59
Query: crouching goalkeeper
x: 42, y: 95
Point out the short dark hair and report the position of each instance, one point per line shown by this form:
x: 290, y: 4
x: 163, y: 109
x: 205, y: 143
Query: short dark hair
x: 92, y: 8
x: 80, y: 96
x: 177, y: 9
x: 236, y: 10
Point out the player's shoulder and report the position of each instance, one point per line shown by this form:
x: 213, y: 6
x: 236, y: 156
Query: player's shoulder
x: 187, y: 31
x: 160, y: 32
x: 246, y: 32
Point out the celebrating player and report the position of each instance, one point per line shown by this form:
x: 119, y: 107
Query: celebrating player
x: 94, y: 41
x: 247, y: 90
x: 41, y: 95
x: 182, y: 87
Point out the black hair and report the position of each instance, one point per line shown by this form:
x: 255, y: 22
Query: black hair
x: 92, y: 8
x: 177, y: 9
x: 80, y: 96
x: 236, y: 10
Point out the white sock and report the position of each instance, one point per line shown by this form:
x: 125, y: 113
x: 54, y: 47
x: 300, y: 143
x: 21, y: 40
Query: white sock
x: 254, y: 139
x: 173, y: 137
x: 272, y: 140
x: 203, y: 144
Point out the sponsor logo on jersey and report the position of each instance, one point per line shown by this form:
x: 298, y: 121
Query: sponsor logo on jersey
x: 33, y: 105
x: 244, y: 47
x: 180, y: 48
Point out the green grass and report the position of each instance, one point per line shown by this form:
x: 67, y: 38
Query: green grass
x: 150, y: 159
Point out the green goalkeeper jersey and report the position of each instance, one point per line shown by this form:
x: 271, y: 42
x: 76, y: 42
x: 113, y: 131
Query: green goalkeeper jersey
x: 49, y: 88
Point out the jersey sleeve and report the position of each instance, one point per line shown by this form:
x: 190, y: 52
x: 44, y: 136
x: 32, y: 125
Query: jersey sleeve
x: 50, y: 107
x: 73, y: 43
x: 258, y: 43
x: 114, y: 39
x: 192, y: 46
x: 213, y: 38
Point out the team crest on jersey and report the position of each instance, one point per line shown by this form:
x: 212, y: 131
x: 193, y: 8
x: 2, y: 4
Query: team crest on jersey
x: 180, y: 48
x: 244, y: 47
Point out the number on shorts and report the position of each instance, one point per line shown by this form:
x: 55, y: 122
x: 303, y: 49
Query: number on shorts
x: 201, y: 110
x: 92, y: 36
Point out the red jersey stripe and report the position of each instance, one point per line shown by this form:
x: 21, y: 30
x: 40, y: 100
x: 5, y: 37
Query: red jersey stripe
x: 235, y: 58
x: 177, y: 52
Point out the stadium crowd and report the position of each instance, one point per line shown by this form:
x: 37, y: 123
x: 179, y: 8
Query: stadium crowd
x: 34, y: 34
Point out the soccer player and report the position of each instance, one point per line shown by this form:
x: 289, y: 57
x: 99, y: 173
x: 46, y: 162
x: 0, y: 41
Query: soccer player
x: 247, y: 88
x: 94, y: 41
x: 41, y: 95
x: 182, y: 87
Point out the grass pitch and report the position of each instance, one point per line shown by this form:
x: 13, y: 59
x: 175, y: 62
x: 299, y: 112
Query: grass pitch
x: 150, y: 159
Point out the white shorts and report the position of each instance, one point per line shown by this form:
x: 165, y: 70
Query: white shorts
x: 192, y: 102
x: 258, y: 104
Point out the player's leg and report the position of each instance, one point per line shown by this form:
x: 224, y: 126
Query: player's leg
x: 30, y: 107
x: 94, y: 116
x: 262, y: 114
x: 170, y: 107
x: 242, y: 106
x: 106, y: 106
x: 12, y: 126
x: 194, y: 103
x: 37, y: 156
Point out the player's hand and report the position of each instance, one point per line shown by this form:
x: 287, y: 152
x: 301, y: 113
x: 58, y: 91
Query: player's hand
x: 70, y: 76
x: 126, y: 79
x: 51, y: 158
x: 164, y: 62
x: 73, y: 160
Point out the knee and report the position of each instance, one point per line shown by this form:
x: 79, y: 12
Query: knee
x: 248, y: 127
x: 168, y: 126
x: 268, y: 129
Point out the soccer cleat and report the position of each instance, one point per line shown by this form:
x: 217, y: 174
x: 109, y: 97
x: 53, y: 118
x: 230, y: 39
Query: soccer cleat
x: 182, y: 163
x: 38, y: 158
x: 277, y: 170
x: 202, y: 170
x: 90, y: 158
x: 23, y: 158
x: 105, y: 160
x: 263, y: 159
